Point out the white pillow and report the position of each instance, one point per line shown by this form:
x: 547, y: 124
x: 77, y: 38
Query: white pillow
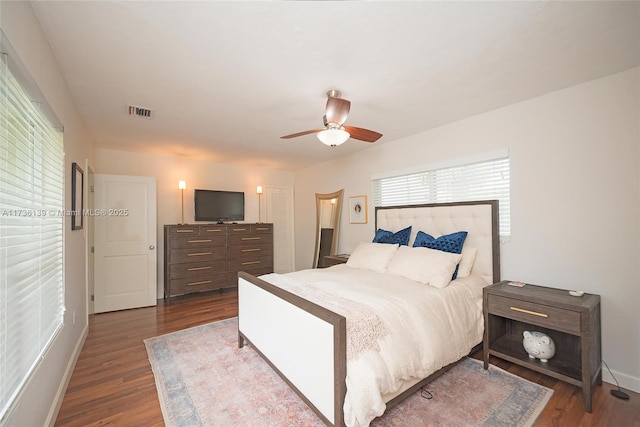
x: 424, y: 265
x: 466, y: 263
x: 372, y: 256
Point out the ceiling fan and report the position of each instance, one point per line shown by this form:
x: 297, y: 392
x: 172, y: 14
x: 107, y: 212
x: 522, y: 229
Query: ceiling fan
x: 334, y: 132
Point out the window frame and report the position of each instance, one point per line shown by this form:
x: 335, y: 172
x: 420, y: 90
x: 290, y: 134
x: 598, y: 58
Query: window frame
x: 32, y: 234
x: 485, y: 176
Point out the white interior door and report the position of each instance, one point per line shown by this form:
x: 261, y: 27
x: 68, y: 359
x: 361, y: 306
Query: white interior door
x: 280, y: 213
x: 125, y: 242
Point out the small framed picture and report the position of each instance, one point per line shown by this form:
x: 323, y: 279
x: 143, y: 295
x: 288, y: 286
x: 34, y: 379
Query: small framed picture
x: 358, y: 210
x: 77, y: 186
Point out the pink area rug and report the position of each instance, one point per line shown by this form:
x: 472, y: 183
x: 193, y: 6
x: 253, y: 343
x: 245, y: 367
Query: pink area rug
x: 204, y: 379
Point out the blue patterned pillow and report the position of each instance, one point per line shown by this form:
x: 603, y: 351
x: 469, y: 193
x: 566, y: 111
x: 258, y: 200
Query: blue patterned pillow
x: 401, y: 237
x: 448, y: 243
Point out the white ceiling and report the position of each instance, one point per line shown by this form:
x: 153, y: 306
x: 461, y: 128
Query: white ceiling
x: 227, y: 79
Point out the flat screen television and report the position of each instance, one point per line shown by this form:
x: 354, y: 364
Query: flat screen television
x: 219, y: 206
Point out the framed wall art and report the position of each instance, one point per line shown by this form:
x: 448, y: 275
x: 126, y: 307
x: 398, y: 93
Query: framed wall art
x: 358, y: 210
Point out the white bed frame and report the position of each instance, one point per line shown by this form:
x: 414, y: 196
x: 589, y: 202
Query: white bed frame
x: 306, y: 343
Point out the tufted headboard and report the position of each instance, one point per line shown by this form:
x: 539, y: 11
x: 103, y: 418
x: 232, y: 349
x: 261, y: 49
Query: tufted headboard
x: 479, y: 219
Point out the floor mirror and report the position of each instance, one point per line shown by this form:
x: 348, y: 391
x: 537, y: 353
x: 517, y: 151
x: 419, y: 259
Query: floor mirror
x: 328, y: 208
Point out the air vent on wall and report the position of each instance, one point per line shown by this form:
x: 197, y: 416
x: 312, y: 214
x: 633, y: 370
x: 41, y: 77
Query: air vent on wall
x: 145, y: 113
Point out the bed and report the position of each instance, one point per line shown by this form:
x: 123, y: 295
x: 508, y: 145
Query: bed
x: 350, y: 339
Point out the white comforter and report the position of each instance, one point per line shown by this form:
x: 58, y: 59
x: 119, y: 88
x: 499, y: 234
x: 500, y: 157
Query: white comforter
x: 423, y: 329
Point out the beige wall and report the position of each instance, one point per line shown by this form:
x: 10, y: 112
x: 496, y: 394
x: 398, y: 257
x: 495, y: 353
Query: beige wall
x: 575, y: 186
x: 168, y: 170
x: 34, y: 407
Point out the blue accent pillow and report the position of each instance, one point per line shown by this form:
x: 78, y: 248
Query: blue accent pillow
x: 401, y: 237
x: 447, y: 243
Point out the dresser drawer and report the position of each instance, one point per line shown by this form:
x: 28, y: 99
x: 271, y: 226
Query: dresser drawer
x: 261, y: 228
x: 197, y: 241
x: 247, y: 264
x: 197, y: 230
x: 184, y: 230
x: 212, y: 230
x: 239, y: 229
x: 198, y: 284
x: 535, y: 314
x: 195, y: 269
x: 250, y: 251
x: 250, y: 239
x: 197, y: 255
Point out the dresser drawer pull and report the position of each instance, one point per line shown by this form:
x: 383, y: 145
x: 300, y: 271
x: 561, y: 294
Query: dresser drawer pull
x: 251, y: 250
x: 239, y: 229
x: 200, y: 241
x: 215, y: 230
x: 204, y: 282
x: 184, y: 231
x: 251, y: 238
x: 535, y: 313
x: 262, y: 228
x: 199, y: 254
x: 251, y: 262
x: 198, y: 268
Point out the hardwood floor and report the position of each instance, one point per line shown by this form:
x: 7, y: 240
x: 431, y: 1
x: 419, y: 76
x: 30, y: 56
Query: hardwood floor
x: 112, y: 383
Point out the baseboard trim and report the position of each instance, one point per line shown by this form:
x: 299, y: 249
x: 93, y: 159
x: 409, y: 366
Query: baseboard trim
x: 57, y: 402
x: 626, y: 381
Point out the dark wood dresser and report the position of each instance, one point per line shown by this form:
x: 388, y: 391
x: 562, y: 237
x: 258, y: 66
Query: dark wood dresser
x: 573, y: 322
x: 200, y: 258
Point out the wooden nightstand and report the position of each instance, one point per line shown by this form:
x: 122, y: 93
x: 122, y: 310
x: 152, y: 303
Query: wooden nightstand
x: 329, y: 260
x: 572, y: 322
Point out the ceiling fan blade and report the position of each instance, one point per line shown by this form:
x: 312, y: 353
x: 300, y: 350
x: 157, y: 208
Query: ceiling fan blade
x: 337, y: 110
x: 363, y: 134
x: 295, y: 135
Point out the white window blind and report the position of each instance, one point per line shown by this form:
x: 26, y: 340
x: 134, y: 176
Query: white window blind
x: 479, y: 180
x: 31, y: 234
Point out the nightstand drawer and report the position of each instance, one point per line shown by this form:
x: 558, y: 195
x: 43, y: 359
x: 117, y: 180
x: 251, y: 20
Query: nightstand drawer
x: 535, y: 314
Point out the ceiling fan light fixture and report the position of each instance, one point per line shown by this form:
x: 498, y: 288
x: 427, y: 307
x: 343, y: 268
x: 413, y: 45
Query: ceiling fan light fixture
x: 333, y: 137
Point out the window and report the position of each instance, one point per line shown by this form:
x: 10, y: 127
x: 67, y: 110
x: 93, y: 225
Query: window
x: 31, y: 231
x: 484, y: 177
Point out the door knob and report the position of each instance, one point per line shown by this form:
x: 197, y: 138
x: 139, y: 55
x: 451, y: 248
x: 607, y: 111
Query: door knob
x: 152, y: 247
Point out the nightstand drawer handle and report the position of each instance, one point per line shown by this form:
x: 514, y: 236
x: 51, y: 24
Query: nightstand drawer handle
x: 184, y: 231
x: 200, y: 241
x: 251, y: 238
x: 215, y: 230
x: 522, y: 310
x: 199, y: 254
x: 199, y: 268
x: 250, y: 262
x: 251, y: 250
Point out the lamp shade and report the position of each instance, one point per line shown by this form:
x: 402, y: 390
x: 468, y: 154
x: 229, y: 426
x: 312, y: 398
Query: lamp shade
x: 182, y: 185
x: 333, y: 137
x: 259, y: 189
